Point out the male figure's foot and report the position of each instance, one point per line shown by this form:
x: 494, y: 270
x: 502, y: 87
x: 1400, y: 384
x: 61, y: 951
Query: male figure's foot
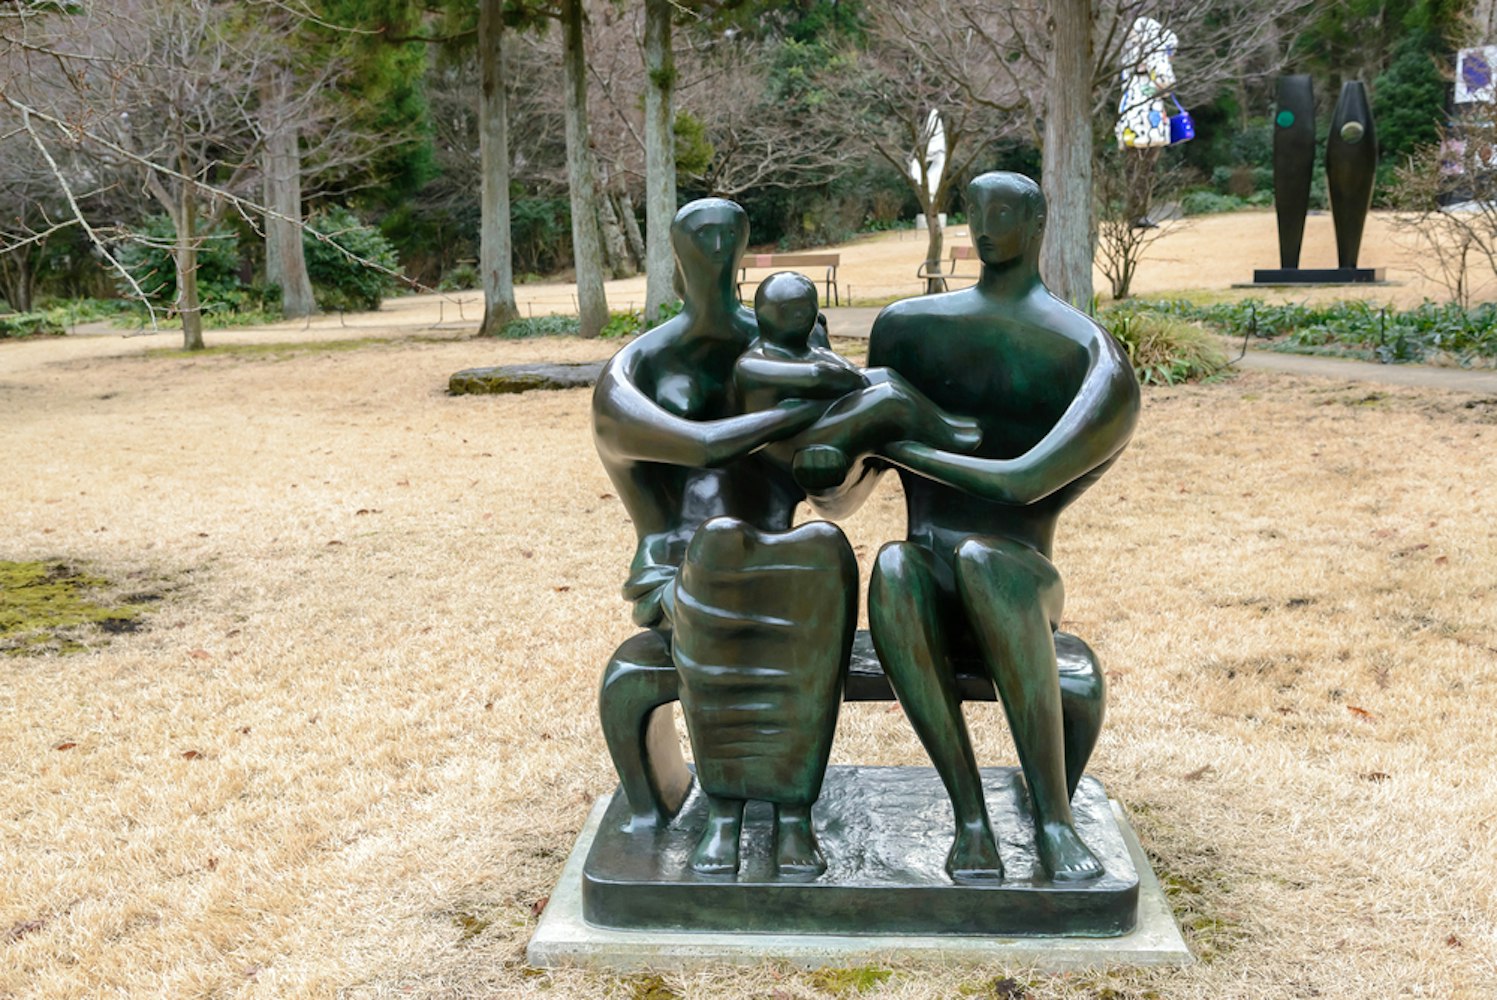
x: 796, y: 850
x: 974, y: 854
x: 1064, y: 856
x: 716, y: 852
x: 819, y: 467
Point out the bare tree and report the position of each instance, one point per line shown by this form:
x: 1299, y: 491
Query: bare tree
x: 496, y: 257
x: 1449, y: 192
x: 1062, y: 58
x: 1128, y: 181
x: 660, y: 156
x: 883, y: 98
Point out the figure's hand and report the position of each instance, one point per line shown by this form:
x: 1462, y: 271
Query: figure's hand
x: 991, y: 479
x: 838, y: 381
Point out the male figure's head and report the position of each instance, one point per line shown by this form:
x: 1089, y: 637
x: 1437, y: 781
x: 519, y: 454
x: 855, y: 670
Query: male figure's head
x: 785, y: 308
x: 708, y: 236
x: 1006, y: 213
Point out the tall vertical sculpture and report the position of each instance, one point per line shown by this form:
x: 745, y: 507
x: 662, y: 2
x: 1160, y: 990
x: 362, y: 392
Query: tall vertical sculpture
x: 1293, y: 162
x: 1351, y: 166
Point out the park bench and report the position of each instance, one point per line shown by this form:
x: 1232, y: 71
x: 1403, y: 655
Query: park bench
x: 780, y: 261
x: 936, y: 280
x: 641, y: 683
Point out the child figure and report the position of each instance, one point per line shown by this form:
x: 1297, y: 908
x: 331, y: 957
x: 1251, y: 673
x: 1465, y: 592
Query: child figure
x: 873, y: 407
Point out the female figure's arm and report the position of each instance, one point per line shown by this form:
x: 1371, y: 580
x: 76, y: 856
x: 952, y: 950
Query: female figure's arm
x: 630, y: 426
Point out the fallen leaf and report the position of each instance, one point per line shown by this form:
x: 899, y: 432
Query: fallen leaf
x: 1374, y: 775
x: 191, y: 754
x: 21, y: 929
x: 539, y: 905
x: 563, y: 589
x: 527, y: 553
x: 605, y: 496
x: 402, y: 482
x: 244, y: 730
x: 1360, y: 713
x: 333, y: 542
x: 200, y: 654
x: 367, y: 510
x: 202, y: 534
x: 64, y: 746
x: 1441, y: 560
x: 1199, y: 773
x: 488, y: 706
x: 212, y: 864
x: 1454, y: 942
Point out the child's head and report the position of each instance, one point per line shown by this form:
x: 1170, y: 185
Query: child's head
x: 785, y: 306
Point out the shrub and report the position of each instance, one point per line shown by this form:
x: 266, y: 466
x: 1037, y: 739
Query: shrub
x: 1165, y: 350
x: 540, y: 326
x: 460, y: 279
x: 148, y: 259
x: 1209, y: 202
x: 339, y: 281
x: 32, y: 324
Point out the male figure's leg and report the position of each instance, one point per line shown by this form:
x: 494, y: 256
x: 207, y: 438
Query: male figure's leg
x: 904, y: 610
x: 1013, y: 598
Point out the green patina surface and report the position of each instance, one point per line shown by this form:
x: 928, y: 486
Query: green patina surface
x: 53, y: 607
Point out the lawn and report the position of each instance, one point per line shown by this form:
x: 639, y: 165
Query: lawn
x: 352, y: 742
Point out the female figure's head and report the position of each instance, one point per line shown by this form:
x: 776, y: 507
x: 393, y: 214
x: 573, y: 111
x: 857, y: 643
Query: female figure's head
x: 708, y: 236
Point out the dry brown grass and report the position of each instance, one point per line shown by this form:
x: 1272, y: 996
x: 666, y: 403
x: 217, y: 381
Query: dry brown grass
x: 351, y: 752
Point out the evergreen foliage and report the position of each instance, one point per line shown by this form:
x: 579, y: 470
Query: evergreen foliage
x: 337, y: 249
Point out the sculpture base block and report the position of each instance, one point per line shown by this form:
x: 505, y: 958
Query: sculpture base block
x: 885, y: 832
x: 564, y: 938
x: 1319, y: 276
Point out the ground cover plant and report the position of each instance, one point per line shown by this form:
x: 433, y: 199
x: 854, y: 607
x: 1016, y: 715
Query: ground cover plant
x: 348, y: 754
x: 1431, y: 331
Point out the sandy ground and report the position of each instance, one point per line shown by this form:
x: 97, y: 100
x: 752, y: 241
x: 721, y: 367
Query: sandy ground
x: 1209, y: 254
x: 351, y: 751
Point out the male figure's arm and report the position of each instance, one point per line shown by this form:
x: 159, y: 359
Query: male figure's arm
x: 1093, y: 429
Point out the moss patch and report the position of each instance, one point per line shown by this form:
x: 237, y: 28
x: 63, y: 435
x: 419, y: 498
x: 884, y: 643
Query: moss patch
x: 52, y: 607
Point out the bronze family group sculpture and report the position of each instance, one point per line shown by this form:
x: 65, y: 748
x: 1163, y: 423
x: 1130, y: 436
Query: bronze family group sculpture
x: 998, y: 405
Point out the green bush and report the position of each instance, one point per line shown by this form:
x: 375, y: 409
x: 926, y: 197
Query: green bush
x: 340, y: 278
x: 462, y: 278
x: 1164, y: 349
x: 540, y: 326
x: 1210, y: 203
x: 148, y: 259
x: 32, y: 324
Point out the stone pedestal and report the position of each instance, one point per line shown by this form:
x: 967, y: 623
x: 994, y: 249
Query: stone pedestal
x: 628, y: 901
x: 1319, y: 276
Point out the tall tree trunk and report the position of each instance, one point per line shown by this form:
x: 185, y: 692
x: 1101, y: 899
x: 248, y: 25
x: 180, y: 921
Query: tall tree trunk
x: 285, y: 258
x: 632, y: 235
x: 1066, y: 258
x: 186, y: 257
x: 615, y: 250
x: 495, y: 249
x: 660, y: 158
x: 587, y: 252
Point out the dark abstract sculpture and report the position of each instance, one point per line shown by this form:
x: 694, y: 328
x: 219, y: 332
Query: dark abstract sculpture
x: 1293, y: 163
x: 713, y: 427
x: 1351, y: 165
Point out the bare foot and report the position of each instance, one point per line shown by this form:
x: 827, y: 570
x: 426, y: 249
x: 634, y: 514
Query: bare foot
x: 819, y: 467
x: 796, y: 850
x: 1063, y: 854
x: 974, y: 855
x: 716, y: 852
